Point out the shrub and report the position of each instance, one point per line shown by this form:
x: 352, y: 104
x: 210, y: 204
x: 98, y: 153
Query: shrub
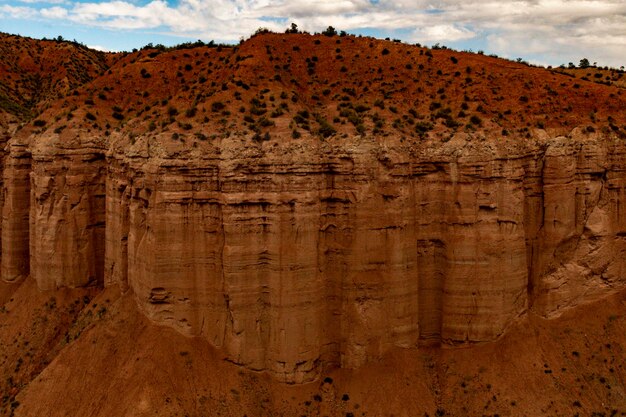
x: 39, y: 123
x: 451, y: 123
x: 423, y: 127
x: 217, y: 106
x: 293, y: 29
x: 330, y: 31
x: 264, y: 122
x: 277, y: 112
x: 361, y: 108
x: 326, y: 129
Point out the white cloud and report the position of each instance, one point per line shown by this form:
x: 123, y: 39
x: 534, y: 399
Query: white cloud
x: 554, y: 29
x: 101, y: 48
x: 54, y: 12
x: 43, y: 1
x: 17, y: 12
x: 443, y: 33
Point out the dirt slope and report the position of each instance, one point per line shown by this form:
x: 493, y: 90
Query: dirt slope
x: 117, y: 363
x: 33, y: 73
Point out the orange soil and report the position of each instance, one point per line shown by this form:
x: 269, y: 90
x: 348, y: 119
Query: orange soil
x: 354, y: 85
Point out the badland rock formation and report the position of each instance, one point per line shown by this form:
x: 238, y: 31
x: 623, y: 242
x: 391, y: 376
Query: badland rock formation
x: 304, y: 202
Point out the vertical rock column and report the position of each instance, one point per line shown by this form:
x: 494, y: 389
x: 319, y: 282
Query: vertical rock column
x: 15, y: 213
x: 275, y: 293
x: 119, y: 181
x: 175, y: 242
x: 67, y: 217
x: 472, y: 269
x: 615, y: 186
x: 380, y: 308
x: 581, y: 254
x: 486, y: 274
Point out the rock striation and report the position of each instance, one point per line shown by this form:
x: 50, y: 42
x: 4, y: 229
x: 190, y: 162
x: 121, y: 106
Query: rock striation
x: 302, y: 202
x: 295, y: 255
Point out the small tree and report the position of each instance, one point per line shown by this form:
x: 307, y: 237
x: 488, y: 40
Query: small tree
x: 293, y: 29
x: 330, y: 31
x: 584, y: 63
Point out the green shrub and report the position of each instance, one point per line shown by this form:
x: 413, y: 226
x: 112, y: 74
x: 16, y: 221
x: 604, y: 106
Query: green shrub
x: 217, y: 106
x: 330, y: 31
x: 325, y: 130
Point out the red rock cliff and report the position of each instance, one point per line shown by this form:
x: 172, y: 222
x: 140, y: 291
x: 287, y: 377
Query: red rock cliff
x: 303, y: 254
x: 294, y: 253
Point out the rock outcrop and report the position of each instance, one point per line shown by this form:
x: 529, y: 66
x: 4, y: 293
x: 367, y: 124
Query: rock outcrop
x: 301, y: 202
x: 302, y: 254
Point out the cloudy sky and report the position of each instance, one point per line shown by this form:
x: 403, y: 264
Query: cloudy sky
x: 548, y: 32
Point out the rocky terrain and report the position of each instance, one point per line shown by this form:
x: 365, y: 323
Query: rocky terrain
x: 327, y: 212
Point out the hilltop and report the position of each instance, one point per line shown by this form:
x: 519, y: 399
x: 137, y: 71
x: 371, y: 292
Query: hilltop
x: 288, y: 85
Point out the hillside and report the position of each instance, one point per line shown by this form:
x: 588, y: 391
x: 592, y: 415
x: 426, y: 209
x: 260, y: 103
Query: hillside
x: 302, y: 84
x: 598, y: 75
x: 34, y: 73
x: 303, y: 224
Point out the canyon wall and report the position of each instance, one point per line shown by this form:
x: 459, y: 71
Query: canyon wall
x: 295, y: 255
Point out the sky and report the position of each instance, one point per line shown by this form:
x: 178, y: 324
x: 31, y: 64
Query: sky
x: 544, y: 32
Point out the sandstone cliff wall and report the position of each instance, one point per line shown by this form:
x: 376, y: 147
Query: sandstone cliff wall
x: 303, y: 254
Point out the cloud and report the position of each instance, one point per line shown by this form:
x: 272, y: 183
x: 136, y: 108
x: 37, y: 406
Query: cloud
x: 17, y: 12
x: 443, y: 33
x: 101, y: 48
x: 43, y: 1
x: 550, y: 30
x: 54, y: 13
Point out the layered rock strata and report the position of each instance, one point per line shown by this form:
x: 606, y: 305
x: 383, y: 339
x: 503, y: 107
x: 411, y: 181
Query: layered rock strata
x: 293, y: 256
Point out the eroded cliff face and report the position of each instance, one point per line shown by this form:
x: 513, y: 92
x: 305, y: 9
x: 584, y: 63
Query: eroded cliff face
x: 295, y: 255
